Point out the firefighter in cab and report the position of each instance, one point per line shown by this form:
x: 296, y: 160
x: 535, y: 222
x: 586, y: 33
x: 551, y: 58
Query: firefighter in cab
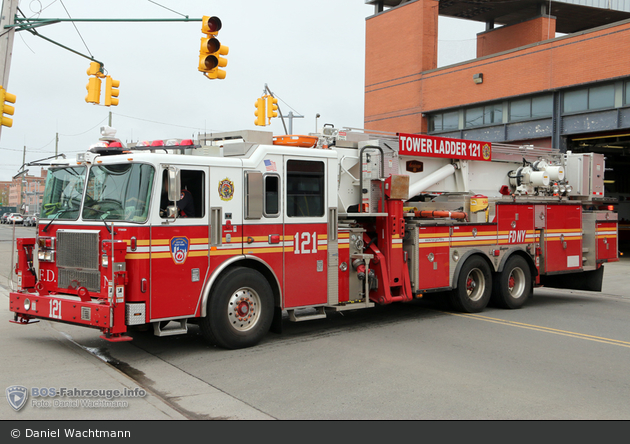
x: 185, y: 205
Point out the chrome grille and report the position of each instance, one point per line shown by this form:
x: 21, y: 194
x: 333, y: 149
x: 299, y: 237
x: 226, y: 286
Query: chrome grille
x: 78, y: 249
x: 78, y: 278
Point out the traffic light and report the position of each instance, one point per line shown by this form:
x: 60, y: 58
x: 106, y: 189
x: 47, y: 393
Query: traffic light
x: 94, y: 84
x: 210, y: 25
x: 111, y: 91
x: 6, y: 109
x: 95, y: 69
x: 260, y: 112
x: 94, y: 91
x: 211, y: 50
x: 272, y: 107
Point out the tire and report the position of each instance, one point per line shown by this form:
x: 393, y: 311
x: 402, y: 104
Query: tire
x: 513, y: 285
x: 239, y: 291
x: 474, y: 286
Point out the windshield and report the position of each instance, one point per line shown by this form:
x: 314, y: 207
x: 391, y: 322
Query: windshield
x: 63, y: 193
x: 118, y: 192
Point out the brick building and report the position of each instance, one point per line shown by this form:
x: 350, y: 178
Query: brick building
x: 549, y: 74
x: 32, y: 192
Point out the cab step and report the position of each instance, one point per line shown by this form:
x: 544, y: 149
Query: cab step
x: 320, y: 313
x: 158, y: 329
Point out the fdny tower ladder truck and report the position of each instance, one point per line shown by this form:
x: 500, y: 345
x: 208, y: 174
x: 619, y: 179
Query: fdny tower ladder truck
x: 244, y: 229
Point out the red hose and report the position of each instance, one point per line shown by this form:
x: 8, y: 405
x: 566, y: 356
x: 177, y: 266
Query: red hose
x: 434, y: 214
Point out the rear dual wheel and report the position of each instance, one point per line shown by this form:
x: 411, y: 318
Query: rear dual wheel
x: 474, y: 286
x: 513, y: 285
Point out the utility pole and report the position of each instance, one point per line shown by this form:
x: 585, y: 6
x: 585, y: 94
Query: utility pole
x: 56, y: 144
x: 292, y: 116
x: 110, y: 119
x: 22, y: 180
x: 9, y: 9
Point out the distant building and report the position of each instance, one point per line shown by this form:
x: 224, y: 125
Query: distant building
x: 31, y: 189
x: 4, y: 192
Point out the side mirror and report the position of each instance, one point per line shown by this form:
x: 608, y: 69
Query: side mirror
x: 174, y: 184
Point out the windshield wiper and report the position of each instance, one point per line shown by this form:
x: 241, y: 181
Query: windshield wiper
x: 56, y: 215
x: 104, y: 213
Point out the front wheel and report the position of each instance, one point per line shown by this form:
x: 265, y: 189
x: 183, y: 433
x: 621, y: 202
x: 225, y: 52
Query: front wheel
x: 513, y: 285
x: 474, y: 286
x: 239, y: 311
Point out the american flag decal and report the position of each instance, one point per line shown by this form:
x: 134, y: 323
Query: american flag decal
x: 270, y: 165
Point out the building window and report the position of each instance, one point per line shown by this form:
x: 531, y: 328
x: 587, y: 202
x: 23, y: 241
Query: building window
x: 601, y: 97
x: 531, y: 108
x: 483, y: 115
x: 542, y: 106
x: 474, y: 117
x: 450, y: 121
x: 493, y: 114
x: 444, y: 122
x: 596, y: 97
x: 435, y: 123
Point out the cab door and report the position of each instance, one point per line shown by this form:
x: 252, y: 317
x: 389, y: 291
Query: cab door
x: 263, y: 214
x: 305, y: 232
x: 178, y: 249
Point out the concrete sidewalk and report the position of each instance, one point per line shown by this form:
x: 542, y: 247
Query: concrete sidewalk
x: 36, y: 356
x: 51, y: 354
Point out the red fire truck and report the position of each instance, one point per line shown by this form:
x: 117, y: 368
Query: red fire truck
x: 235, y: 232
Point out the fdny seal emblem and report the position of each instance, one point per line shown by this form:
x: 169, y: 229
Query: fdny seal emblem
x: 17, y: 396
x: 226, y: 189
x: 485, y: 151
x: 179, y: 249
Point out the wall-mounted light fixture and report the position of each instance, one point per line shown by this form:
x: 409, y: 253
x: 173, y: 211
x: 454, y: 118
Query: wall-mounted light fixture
x: 478, y: 78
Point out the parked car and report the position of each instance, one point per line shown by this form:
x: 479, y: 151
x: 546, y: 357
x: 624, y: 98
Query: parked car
x: 31, y: 221
x: 15, y: 218
x: 4, y: 218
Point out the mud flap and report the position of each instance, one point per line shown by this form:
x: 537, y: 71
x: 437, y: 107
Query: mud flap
x: 587, y: 280
x: 276, y: 324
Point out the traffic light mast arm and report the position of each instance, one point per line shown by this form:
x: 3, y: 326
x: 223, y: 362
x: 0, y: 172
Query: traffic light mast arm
x: 66, y: 48
x: 19, y: 21
x: 29, y: 24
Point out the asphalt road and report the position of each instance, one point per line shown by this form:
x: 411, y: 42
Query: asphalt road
x: 563, y: 356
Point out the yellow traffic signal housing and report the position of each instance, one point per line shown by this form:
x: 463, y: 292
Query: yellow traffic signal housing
x: 111, y: 91
x: 210, y: 25
x: 95, y: 70
x: 272, y: 108
x: 94, y: 91
x: 260, y: 112
x: 211, y: 52
x: 210, y: 59
x: 6, y: 109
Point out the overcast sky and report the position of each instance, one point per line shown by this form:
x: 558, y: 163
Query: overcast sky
x: 310, y: 53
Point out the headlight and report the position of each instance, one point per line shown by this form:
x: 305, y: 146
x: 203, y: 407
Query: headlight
x: 27, y: 304
x: 46, y: 256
